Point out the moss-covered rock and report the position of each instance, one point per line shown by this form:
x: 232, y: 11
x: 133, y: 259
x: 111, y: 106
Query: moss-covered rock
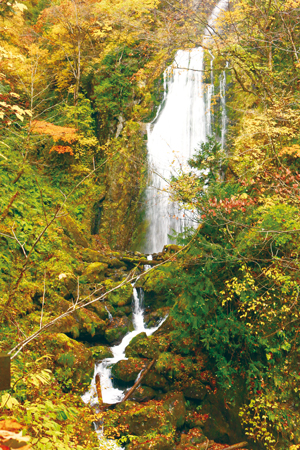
x: 117, y: 329
x: 146, y: 347
x: 72, y: 230
x: 89, y: 255
x: 89, y: 323
x: 101, y: 352
x: 127, y: 370
x: 95, y: 272
x: 196, y: 390
x: 151, y: 417
x: 158, y: 442
x: 68, y: 284
x: 72, y: 363
x: 142, y: 394
x: 153, y: 318
x: 121, y: 296
x: 194, y: 439
x: 174, y: 403
x: 156, y: 381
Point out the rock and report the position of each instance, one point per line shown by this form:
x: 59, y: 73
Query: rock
x: 68, y: 284
x: 156, y: 381
x: 89, y: 323
x: 174, y: 403
x: 72, y: 363
x: 95, y: 272
x: 196, y: 390
x: 89, y: 255
x: 146, y: 347
x: 194, y: 439
x: 72, y: 230
x: 99, y: 309
x: 120, y: 297
x: 147, y: 418
x: 159, y: 442
x: 128, y: 370
x: 142, y: 394
x: 195, y: 420
x: 101, y: 352
x: 117, y: 329
x: 153, y: 318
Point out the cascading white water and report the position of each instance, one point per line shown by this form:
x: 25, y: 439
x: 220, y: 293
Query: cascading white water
x: 111, y: 395
x: 182, y: 125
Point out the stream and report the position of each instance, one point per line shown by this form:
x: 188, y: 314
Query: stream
x: 183, y: 122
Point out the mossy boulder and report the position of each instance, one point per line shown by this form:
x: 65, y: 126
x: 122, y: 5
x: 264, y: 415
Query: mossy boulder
x: 117, y: 329
x: 89, y: 323
x: 194, y: 439
x: 146, y: 347
x: 72, y: 363
x: 153, y: 318
x: 196, y: 390
x: 142, y: 394
x: 174, y: 403
x: 68, y: 284
x: 195, y: 420
x: 99, y: 309
x: 95, y: 272
x: 121, y: 296
x: 158, y: 442
x: 101, y: 352
x: 146, y: 418
x: 174, y: 366
x: 73, y: 231
x: 127, y: 370
x: 156, y: 381
x: 89, y: 255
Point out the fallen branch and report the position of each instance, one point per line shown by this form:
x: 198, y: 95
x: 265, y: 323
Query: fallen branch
x: 236, y: 446
x: 136, y: 384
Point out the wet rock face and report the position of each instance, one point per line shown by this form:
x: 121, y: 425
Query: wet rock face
x: 128, y: 370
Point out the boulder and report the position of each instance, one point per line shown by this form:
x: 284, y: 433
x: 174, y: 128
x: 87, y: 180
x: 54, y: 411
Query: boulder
x: 95, y: 272
x: 158, y: 442
x: 128, y: 369
x: 174, y: 403
x: 101, y: 352
x: 72, y: 230
x: 146, y: 347
x: 142, y: 394
x: 196, y: 390
x: 116, y: 329
x: 194, y: 439
x: 121, y: 296
x: 72, y: 363
x: 146, y: 419
x: 89, y: 323
x: 156, y: 381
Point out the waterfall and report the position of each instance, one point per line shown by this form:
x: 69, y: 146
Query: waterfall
x: 182, y: 123
x: 181, y: 126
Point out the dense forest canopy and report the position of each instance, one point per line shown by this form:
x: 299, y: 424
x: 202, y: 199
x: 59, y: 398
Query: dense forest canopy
x: 78, y: 83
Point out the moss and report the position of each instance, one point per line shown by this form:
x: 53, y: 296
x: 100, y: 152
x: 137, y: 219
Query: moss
x: 95, y: 272
x: 143, y: 394
x: 145, y: 347
x: 159, y: 442
x: 100, y: 352
x: 128, y: 370
x: 72, y: 230
x: 122, y: 296
x: 195, y: 390
x: 117, y: 329
x: 156, y: 381
x: 174, y: 403
x: 72, y: 363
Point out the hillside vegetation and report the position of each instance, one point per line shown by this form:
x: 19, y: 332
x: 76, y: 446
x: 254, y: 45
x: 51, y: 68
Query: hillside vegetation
x: 78, y: 83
